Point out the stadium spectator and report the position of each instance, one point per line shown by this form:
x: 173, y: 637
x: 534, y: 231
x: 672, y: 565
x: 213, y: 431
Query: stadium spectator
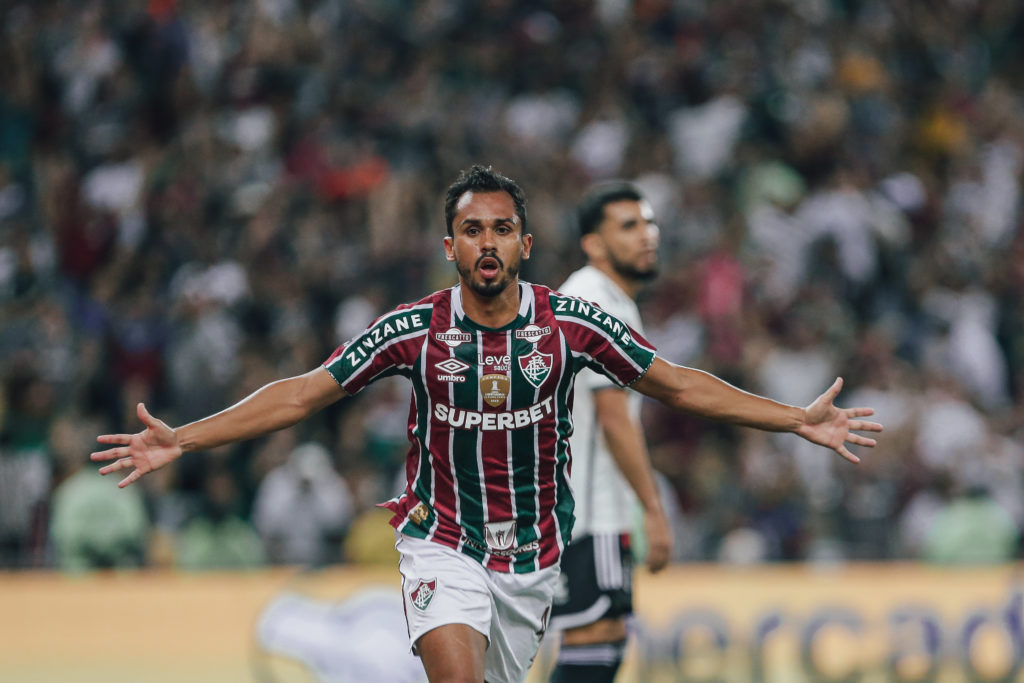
x: 302, y: 509
x: 161, y: 133
x: 217, y: 537
x: 91, y: 529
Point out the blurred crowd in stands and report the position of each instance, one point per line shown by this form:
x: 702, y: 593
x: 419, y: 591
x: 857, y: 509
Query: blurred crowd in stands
x: 197, y: 198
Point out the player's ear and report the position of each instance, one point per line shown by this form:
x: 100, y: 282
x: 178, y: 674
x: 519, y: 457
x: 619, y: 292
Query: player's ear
x: 449, y: 248
x: 527, y: 245
x: 592, y: 246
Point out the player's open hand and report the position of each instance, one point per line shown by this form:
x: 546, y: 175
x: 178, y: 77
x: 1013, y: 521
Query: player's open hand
x: 146, y: 451
x: 834, y: 427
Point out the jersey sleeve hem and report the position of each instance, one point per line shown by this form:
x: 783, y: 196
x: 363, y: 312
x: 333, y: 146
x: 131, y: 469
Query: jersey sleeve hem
x: 643, y: 372
x: 338, y: 381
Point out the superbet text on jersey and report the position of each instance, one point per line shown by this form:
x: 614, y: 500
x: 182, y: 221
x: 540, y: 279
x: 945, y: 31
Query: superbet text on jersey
x: 490, y: 416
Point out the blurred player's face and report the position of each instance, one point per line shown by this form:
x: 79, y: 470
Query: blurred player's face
x: 487, y: 242
x: 627, y: 239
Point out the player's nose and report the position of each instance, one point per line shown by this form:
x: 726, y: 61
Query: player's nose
x: 487, y: 240
x: 652, y: 235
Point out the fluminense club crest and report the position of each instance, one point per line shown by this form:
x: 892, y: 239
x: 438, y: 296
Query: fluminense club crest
x: 422, y: 593
x: 536, y: 367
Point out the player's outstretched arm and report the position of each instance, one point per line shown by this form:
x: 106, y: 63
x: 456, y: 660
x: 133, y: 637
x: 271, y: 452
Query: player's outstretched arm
x: 703, y: 394
x: 275, y: 406
x: 624, y: 437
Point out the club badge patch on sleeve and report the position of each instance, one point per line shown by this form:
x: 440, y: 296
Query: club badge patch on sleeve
x: 422, y: 593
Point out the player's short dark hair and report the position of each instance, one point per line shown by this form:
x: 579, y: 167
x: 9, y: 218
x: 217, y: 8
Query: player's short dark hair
x: 590, y: 211
x: 480, y: 179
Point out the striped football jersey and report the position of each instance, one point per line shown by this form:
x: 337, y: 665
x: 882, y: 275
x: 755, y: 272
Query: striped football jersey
x: 490, y: 416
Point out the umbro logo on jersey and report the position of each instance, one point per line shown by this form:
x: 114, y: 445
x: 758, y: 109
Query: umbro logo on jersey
x: 453, y: 337
x: 452, y: 369
x: 453, y: 366
x: 422, y: 593
x: 535, y: 367
x: 532, y: 333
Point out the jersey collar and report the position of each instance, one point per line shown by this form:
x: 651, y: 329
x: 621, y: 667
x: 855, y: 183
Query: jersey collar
x: 524, y: 317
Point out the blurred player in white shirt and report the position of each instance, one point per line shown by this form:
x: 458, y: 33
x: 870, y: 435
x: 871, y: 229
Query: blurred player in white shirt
x: 611, y: 467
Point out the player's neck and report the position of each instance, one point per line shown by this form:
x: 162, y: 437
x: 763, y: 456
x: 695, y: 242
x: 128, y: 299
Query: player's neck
x: 491, y: 311
x: 628, y: 285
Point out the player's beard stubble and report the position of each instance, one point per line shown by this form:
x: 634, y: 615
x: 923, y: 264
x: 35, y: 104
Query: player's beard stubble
x: 493, y: 287
x: 633, y: 272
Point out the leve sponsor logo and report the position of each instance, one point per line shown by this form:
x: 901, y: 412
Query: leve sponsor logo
x: 494, y: 363
x: 491, y: 422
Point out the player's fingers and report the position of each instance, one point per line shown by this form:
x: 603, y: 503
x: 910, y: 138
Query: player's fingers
x: 859, y: 412
x: 861, y: 440
x: 144, y: 415
x: 117, y: 465
x: 115, y: 438
x: 130, y: 479
x: 109, y: 454
x: 864, y: 426
x: 834, y: 390
x: 842, y: 450
x: 657, y: 559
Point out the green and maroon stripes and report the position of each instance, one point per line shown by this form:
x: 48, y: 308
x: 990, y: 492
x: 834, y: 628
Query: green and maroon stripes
x: 602, y: 341
x: 475, y: 462
x: 464, y: 456
x: 389, y: 345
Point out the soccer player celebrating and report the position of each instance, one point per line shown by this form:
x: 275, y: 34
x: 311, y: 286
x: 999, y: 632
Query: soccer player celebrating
x: 487, y: 509
x: 620, y: 240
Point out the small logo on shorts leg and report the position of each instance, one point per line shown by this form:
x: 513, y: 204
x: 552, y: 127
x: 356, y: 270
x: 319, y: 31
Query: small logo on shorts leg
x: 422, y: 593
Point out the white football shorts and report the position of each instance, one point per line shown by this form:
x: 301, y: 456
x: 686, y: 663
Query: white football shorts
x: 443, y: 586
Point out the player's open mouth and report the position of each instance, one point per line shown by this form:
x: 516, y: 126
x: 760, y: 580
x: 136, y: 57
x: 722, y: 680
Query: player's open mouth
x: 489, y: 266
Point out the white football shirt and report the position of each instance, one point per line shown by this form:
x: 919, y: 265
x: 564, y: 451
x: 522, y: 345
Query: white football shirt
x: 605, y: 502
